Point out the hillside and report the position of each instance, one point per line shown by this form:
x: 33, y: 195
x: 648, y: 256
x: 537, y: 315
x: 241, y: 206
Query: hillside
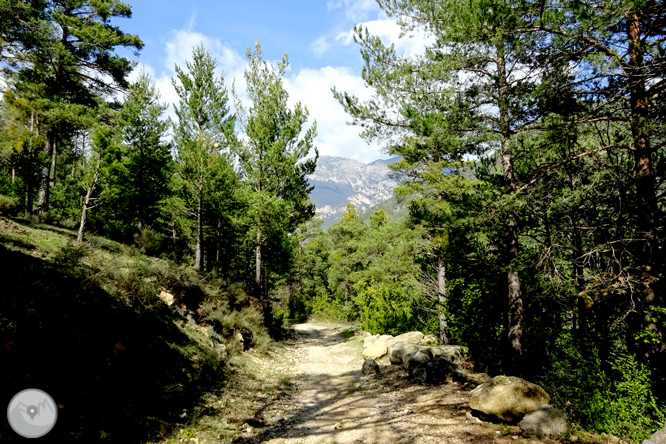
x: 86, y: 323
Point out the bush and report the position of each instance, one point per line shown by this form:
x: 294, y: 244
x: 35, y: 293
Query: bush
x: 149, y: 241
x: 8, y: 205
x: 620, y: 403
x: 387, y: 308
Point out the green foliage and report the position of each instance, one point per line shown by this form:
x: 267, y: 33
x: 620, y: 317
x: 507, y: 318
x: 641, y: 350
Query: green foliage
x: 8, y: 205
x: 615, y: 398
x: 387, y: 308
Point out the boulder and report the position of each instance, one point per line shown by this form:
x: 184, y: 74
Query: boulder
x: 367, y: 340
x: 452, y: 353
x: 418, y: 359
x: 370, y: 367
x: 166, y: 297
x: 447, y: 369
x: 413, y: 337
x: 658, y: 438
x: 375, y: 350
x: 545, y: 421
x: 401, y: 352
x: 429, y: 340
x: 507, y: 397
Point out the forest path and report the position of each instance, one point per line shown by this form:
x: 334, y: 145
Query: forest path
x: 333, y: 403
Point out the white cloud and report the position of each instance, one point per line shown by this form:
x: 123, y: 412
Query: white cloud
x: 390, y: 33
x: 312, y: 87
x: 178, y: 50
x: 355, y: 10
x: 320, y: 46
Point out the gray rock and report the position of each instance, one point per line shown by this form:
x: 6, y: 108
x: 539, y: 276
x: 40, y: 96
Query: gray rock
x: 658, y: 438
x: 418, y: 359
x: 402, y: 352
x: 545, y: 421
x: 370, y: 367
x: 507, y: 397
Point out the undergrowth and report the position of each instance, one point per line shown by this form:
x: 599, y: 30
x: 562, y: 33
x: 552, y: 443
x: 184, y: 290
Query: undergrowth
x: 89, y: 324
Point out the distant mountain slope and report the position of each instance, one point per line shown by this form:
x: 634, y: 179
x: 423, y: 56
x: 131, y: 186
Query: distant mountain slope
x: 338, y: 181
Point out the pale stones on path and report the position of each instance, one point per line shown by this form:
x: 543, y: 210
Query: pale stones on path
x: 545, y: 421
x: 412, y: 337
x: 367, y: 340
x: 370, y: 367
x: 507, y: 397
x: 375, y: 350
x: 658, y: 438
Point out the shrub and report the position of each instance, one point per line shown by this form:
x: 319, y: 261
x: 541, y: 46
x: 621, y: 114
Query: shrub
x: 619, y: 401
x: 8, y: 205
x: 387, y: 308
x: 149, y: 241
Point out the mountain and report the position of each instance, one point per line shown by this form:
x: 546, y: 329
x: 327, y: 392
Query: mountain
x: 338, y: 181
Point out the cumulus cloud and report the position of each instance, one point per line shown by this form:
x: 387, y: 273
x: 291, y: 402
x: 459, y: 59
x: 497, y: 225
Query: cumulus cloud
x: 312, y: 87
x: 390, y: 33
x: 178, y: 50
x: 355, y: 10
x: 320, y: 46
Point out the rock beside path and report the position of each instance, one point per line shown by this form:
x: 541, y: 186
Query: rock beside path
x: 507, y: 398
x: 370, y: 367
x: 545, y: 421
x: 375, y: 350
x: 658, y: 438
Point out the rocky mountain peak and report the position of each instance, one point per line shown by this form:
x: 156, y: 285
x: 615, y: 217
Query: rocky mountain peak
x: 338, y: 180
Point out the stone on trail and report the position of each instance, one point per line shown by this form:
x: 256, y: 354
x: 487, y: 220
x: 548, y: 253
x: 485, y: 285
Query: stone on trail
x: 418, y: 359
x: 413, y: 337
x: 545, y: 421
x: 368, y: 340
x: 507, y: 397
x: 370, y: 367
x: 375, y: 350
x: 658, y: 438
x: 402, y: 352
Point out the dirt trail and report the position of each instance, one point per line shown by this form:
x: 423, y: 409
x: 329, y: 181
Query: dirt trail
x: 335, y: 404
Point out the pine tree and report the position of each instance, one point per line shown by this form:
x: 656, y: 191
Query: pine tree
x: 273, y: 159
x: 203, y: 134
x: 63, y: 60
x: 147, y: 155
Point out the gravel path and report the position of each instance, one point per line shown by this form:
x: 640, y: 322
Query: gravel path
x: 333, y: 403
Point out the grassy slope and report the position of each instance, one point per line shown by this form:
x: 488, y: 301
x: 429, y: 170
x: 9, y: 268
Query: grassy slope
x: 84, y: 323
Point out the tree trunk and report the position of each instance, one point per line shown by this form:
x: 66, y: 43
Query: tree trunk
x: 198, y: 253
x: 441, y: 294
x: 257, y: 269
x: 45, y: 183
x: 514, y: 293
x: 645, y: 177
x: 86, y: 207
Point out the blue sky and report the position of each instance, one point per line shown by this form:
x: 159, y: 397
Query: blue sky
x: 315, y: 34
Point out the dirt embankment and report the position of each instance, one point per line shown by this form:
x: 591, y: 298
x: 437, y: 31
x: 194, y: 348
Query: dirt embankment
x: 334, y: 403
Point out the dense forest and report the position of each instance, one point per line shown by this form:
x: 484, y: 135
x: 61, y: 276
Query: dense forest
x: 531, y: 141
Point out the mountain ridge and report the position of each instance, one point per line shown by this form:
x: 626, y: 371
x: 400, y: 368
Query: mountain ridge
x: 339, y: 180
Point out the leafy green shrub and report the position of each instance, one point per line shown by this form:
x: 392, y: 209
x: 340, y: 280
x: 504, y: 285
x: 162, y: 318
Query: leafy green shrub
x: 8, y: 205
x: 621, y: 403
x: 149, y: 241
x: 387, y: 308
